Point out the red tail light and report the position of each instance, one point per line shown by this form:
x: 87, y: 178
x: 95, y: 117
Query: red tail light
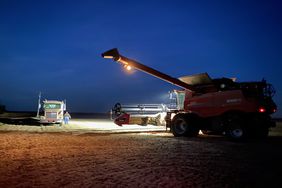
x: 262, y: 110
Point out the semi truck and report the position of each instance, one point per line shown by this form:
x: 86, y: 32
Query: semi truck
x: 53, y: 111
x: 238, y: 110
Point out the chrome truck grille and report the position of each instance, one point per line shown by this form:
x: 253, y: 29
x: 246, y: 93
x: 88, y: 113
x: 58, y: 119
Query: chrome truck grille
x: 51, y: 115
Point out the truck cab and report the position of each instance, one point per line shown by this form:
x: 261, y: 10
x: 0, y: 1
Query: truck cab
x: 53, y: 111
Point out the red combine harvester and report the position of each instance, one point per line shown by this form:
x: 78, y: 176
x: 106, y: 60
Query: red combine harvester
x: 215, y: 106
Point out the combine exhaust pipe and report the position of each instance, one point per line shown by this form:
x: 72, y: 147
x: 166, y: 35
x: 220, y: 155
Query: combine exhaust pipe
x: 115, y: 55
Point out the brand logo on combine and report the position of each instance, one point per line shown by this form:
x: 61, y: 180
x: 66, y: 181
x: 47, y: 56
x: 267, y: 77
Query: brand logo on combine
x: 233, y: 100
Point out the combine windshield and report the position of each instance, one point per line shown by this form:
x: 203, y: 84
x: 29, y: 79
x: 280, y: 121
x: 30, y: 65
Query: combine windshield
x: 257, y: 89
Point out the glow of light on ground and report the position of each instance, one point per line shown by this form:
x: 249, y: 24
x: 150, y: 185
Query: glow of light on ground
x: 103, y: 125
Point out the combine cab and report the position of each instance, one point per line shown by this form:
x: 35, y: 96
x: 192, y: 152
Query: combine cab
x: 216, y: 106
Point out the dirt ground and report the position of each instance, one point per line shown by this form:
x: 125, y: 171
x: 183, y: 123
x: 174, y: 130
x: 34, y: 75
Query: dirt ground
x: 144, y: 159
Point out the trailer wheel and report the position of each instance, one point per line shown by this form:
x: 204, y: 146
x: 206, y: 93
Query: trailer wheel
x: 183, y: 125
x: 117, y: 109
x: 235, y: 127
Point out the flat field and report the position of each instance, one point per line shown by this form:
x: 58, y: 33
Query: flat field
x: 89, y: 158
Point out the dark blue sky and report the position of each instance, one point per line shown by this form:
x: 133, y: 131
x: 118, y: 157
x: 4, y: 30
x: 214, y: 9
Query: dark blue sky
x: 55, y: 46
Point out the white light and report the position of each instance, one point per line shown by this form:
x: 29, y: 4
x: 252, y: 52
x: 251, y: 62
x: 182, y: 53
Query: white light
x: 128, y: 67
x: 108, y: 57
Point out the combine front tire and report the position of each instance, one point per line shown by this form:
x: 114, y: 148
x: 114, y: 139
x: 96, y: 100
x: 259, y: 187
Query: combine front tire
x: 184, y: 125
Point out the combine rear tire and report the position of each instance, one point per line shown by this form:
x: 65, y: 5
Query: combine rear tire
x: 184, y: 125
x: 235, y: 127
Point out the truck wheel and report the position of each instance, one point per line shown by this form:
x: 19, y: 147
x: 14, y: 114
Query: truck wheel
x: 183, y: 125
x: 235, y: 127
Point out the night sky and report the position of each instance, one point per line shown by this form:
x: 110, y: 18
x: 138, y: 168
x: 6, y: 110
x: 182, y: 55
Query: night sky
x: 55, y: 47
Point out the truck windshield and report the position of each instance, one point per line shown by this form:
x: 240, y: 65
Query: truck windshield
x: 52, y: 106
